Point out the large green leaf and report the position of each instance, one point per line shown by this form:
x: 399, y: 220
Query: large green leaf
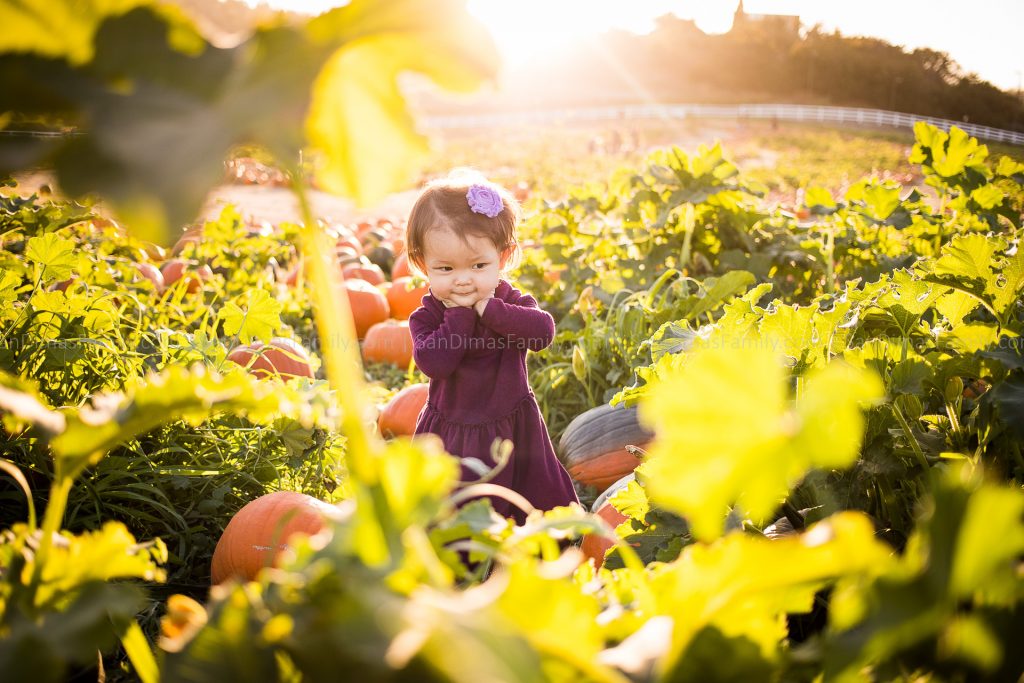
x: 67, y: 29
x: 743, y: 585
x: 727, y: 433
x: 175, y: 393
x: 358, y: 116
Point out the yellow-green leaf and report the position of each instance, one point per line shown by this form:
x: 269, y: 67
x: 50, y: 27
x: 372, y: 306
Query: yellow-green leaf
x: 358, y: 117
x: 727, y: 432
x: 260, y: 319
x: 55, y: 254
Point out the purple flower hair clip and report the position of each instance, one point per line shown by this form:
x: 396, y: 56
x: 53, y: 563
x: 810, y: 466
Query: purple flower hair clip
x: 485, y: 200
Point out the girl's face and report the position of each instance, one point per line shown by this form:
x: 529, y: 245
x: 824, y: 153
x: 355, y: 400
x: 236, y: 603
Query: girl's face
x: 461, y: 271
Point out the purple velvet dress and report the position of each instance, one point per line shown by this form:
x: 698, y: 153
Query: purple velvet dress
x: 479, y: 391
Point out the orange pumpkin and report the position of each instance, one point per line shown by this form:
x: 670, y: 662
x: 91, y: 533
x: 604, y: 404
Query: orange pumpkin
x: 595, y: 546
x: 370, y: 272
x: 177, y: 268
x: 398, y: 418
x: 369, y: 306
x: 400, y: 268
x: 345, y: 254
x: 192, y: 235
x: 153, y: 274
x: 260, y: 531
x: 593, y: 445
x: 363, y: 227
x: 389, y: 342
x: 350, y: 241
x: 282, y: 356
x: 405, y: 296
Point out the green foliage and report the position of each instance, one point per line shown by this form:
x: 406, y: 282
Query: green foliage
x: 958, y: 578
x: 120, y: 398
x: 134, y: 80
x: 723, y: 418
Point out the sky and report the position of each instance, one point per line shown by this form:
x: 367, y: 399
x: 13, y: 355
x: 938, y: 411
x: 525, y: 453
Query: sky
x: 984, y: 36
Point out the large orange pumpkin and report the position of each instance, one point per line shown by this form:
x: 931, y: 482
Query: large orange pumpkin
x: 399, y: 416
x: 406, y: 295
x: 593, y: 446
x: 176, y: 269
x: 389, y: 342
x: 256, y: 535
x: 595, y: 546
x: 369, y: 306
x: 282, y: 356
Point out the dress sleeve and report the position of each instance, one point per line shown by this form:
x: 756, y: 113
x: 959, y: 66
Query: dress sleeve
x: 521, y: 321
x: 439, y: 342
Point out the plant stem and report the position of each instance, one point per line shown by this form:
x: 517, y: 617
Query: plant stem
x: 914, y: 445
x: 830, y: 248
x: 339, y: 347
x: 52, y: 521
x: 689, y: 221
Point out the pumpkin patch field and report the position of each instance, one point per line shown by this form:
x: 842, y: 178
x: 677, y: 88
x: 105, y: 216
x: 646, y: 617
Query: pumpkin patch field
x: 795, y: 422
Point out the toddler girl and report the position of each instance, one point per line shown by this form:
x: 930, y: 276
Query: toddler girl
x: 470, y: 337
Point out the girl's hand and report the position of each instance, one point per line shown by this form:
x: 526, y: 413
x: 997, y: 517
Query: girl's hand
x: 482, y: 303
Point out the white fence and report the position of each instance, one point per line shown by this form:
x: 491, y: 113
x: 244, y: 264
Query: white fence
x: 776, y: 112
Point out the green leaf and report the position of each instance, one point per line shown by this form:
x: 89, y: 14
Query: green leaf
x: 55, y: 254
x: 961, y: 559
x: 631, y: 501
x: 357, y: 115
x: 62, y: 29
x: 955, y: 306
x: 961, y: 152
x: 790, y: 330
x: 952, y: 156
x: 9, y: 283
x: 726, y: 432
x: 175, y: 393
x: 907, y: 298
x: 968, y: 256
x: 820, y: 197
x: 719, y: 290
x: 545, y: 609
x: 988, y: 196
x: 970, y: 338
x: 155, y: 148
x: 989, y: 543
x: 1008, y: 168
x: 743, y: 585
x: 909, y: 375
x: 1007, y: 289
x: 879, y: 201
x: 260, y: 319
x: 1008, y: 397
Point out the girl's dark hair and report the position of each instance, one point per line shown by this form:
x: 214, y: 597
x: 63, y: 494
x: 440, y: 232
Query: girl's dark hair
x: 443, y: 205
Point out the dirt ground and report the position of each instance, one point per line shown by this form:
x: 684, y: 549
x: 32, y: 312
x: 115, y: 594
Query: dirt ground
x: 261, y: 203
x: 276, y: 205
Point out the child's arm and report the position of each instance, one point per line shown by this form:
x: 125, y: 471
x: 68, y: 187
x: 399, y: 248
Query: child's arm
x: 438, y: 343
x: 520, y: 321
